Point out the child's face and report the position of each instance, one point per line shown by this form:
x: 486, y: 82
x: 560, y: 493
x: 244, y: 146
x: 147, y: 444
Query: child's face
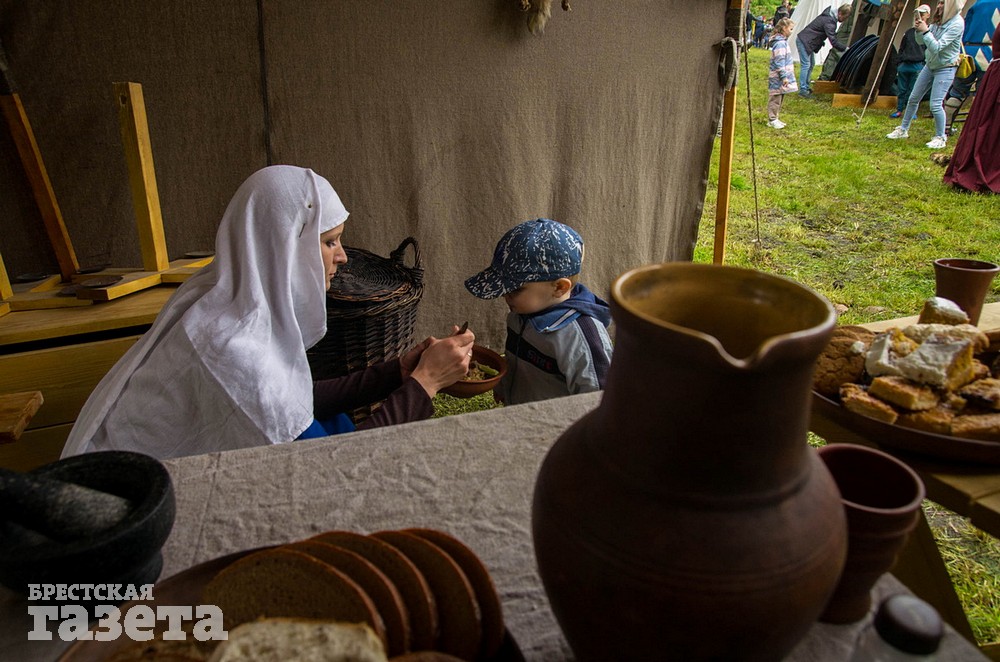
x: 532, y: 297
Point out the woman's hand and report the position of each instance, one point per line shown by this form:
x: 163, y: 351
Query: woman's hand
x: 920, y: 24
x: 441, y: 361
x: 409, y: 361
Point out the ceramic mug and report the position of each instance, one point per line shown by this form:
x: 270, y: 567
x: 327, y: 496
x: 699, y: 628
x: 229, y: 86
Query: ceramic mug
x: 882, y: 498
x: 966, y: 282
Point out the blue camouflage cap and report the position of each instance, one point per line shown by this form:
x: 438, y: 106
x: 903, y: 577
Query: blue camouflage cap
x: 533, y: 251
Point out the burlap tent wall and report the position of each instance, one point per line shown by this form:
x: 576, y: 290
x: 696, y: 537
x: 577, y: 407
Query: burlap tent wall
x: 447, y: 121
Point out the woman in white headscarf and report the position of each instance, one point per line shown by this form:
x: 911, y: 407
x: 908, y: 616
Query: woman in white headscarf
x: 224, y: 364
x: 942, y: 42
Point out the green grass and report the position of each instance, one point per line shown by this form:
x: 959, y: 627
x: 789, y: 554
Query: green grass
x: 860, y: 219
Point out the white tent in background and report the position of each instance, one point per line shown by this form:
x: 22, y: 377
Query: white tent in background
x: 803, y: 14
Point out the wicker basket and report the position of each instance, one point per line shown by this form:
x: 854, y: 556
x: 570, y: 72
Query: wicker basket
x: 371, y: 310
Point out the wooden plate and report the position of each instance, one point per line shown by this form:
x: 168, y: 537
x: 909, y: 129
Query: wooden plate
x: 938, y: 446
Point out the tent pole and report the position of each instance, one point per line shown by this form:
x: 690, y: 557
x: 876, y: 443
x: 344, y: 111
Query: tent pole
x: 728, y: 135
x: 725, y: 174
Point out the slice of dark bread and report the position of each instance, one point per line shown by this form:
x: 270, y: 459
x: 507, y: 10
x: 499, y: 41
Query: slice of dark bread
x: 401, y: 571
x: 490, y: 609
x: 460, y: 622
x: 372, y: 581
x: 288, y: 583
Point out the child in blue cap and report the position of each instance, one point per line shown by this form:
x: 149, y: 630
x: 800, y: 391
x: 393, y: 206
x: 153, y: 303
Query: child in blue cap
x: 557, y: 329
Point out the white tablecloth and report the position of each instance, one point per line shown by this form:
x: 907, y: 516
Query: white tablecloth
x: 470, y: 475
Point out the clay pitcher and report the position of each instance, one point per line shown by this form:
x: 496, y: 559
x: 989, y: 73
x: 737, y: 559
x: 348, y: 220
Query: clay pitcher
x: 686, y: 518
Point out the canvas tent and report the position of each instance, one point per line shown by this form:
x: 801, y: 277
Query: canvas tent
x: 449, y: 122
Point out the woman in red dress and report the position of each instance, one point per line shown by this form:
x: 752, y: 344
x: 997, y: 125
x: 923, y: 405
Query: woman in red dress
x: 975, y: 165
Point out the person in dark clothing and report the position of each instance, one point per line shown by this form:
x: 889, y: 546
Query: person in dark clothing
x: 783, y: 11
x: 811, y: 38
x: 975, y: 165
x: 909, y: 62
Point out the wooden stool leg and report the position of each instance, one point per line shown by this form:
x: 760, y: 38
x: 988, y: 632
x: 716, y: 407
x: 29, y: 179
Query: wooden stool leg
x: 922, y: 569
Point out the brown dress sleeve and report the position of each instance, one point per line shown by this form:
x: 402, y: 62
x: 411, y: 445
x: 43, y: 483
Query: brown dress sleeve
x: 405, y: 400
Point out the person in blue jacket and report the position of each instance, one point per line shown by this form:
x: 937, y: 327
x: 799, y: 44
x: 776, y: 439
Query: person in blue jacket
x: 942, y: 40
x: 557, y: 338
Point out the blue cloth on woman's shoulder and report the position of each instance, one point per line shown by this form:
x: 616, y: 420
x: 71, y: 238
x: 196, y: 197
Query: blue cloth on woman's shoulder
x: 339, y: 424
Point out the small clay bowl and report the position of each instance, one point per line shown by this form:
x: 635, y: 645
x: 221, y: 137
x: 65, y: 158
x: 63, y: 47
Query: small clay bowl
x: 469, y: 388
x: 126, y: 553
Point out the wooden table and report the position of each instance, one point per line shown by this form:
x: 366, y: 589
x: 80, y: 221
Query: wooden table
x: 64, y: 353
x: 16, y: 410
x: 471, y: 475
x: 968, y: 490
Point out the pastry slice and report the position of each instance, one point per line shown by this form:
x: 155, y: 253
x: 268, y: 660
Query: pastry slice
x: 983, y: 392
x: 985, y: 427
x: 856, y: 399
x: 904, y: 393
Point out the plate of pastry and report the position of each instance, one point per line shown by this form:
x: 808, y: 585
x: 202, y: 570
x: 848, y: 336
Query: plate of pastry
x: 931, y: 388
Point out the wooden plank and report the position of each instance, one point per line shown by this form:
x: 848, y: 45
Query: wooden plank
x: 6, y: 291
x: 141, y: 280
x: 44, y: 300
x: 16, y: 410
x: 920, y: 566
x: 988, y: 320
x: 46, y: 284
x: 139, y: 158
x: 41, y: 187
x: 66, y: 375
x: 139, y: 309
x: 986, y: 514
x: 4, y: 309
x: 825, y: 87
x: 35, y: 448
x: 854, y: 101
x: 181, y: 270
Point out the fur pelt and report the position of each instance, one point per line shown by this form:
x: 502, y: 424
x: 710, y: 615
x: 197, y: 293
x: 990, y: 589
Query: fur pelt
x: 539, y: 12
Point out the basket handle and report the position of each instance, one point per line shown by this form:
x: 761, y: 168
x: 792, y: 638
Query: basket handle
x: 417, y: 270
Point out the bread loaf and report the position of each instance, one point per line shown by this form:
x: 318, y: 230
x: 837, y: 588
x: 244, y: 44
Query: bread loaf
x: 460, y: 622
x: 490, y: 609
x: 300, y: 640
x: 373, y: 582
x: 284, y: 582
x: 405, y: 576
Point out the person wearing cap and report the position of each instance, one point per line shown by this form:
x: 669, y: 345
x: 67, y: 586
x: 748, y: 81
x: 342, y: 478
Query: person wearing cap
x: 909, y: 62
x: 557, y: 338
x: 224, y: 364
x: 943, y: 42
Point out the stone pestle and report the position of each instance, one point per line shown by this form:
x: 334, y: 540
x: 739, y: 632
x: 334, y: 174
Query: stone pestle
x: 59, y: 510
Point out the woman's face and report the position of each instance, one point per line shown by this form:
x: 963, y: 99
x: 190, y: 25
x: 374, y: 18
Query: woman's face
x: 333, y: 251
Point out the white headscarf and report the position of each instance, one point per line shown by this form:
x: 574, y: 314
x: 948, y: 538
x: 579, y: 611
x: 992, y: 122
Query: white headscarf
x: 224, y: 364
x: 951, y: 7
